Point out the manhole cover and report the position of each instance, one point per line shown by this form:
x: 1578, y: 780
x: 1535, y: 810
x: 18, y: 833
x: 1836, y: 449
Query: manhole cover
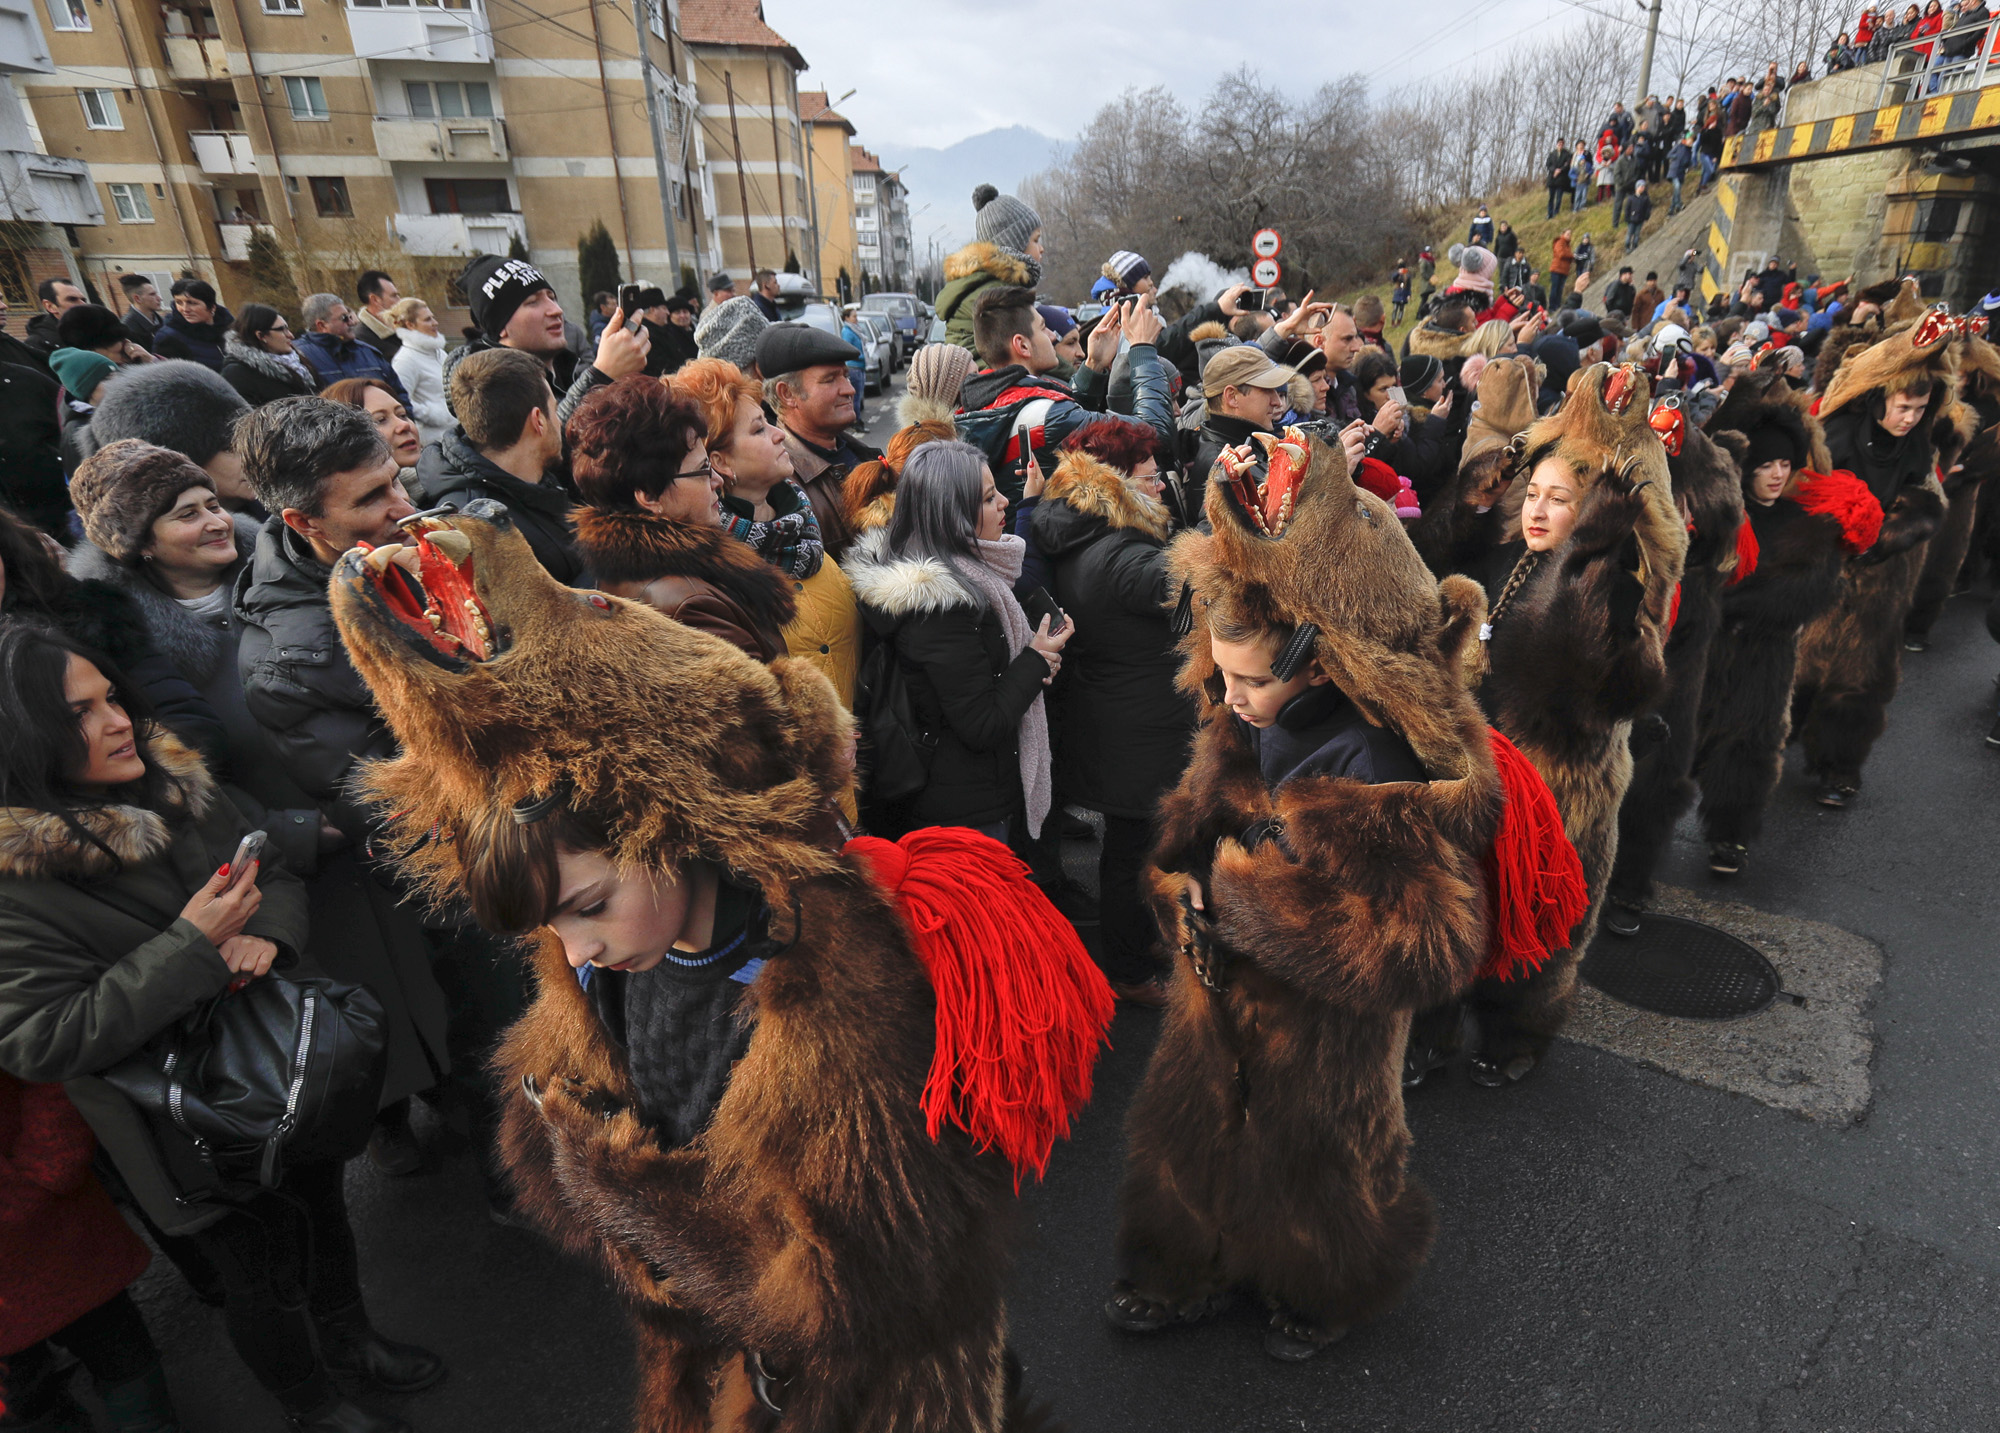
x: 1682, y: 968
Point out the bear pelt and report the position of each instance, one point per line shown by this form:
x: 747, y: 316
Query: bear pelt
x: 1577, y: 652
x: 1266, y: 1148
x: 1708, y: 484
x: 814, y: 1227
x: 1745, y: 702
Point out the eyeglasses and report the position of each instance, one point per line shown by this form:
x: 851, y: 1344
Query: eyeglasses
x: 702, y: 473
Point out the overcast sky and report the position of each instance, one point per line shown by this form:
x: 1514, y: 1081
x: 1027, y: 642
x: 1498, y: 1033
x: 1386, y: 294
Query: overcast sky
x: 931, y: 72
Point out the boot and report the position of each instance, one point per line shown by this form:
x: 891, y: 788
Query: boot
x: 351, y: 1347
x: 337, y: 1415
x: 141, y: 1405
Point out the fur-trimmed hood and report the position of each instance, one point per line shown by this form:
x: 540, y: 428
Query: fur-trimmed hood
x: 1440, y: 343
x: 268, y: 364
x: 902, y: 587
x: 194, y: 645
x: 984, y: 258
x: 1102, y: 497
x: 913, y: 408
x: 622, y: 546
x: 38, y: 845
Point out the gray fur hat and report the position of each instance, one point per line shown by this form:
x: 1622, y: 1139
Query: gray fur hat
x: 122, y: 490
x: 1002, y: 219
x: 730, y: 331
x: 173, y: 403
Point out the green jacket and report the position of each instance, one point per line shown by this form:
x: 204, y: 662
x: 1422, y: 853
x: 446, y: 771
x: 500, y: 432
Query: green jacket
x: 84, y: 983
x: 970, y: 272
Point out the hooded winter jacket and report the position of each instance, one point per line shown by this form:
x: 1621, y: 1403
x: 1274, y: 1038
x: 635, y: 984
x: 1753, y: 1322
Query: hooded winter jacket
x: 200, y: 342
x: 967, y: 693
x: 262, y: 377
x: 970, y: 272
x: 85, y: 982
x: 452, y: 473
x: 1125, y: 726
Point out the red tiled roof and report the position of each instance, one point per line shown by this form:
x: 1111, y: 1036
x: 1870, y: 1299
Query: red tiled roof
x: 813, y: 109
x: 864, y: 162
x: 733, y: 22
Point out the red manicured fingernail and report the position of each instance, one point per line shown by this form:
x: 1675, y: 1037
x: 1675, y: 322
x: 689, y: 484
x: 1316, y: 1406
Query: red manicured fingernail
x: 223, y: 869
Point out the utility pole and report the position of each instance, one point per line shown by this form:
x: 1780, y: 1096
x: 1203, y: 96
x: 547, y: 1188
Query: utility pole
x: 742, y: 187
x: 1646, y: 56
x: 659, y: 158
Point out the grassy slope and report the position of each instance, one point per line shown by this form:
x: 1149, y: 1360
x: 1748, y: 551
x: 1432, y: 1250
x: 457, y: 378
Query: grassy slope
x: 1525, y: 212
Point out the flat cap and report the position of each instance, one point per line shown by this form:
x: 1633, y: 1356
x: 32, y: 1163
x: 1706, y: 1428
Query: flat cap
x: 791, y: 347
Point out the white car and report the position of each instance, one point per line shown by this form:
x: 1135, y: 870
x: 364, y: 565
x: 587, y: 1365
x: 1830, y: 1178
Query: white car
x: 881, y: 346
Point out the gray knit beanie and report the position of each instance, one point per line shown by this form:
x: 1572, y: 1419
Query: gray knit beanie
x: 730, y: 331
x: 939, y: 370
x: 173, y: 403
x: 1002, y: 219
x: 121, y: 490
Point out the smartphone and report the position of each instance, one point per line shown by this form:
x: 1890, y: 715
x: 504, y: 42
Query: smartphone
x: 248, y: 850
x: 1396, y: 397
x: 628, y: 300
x: 1256, y: 301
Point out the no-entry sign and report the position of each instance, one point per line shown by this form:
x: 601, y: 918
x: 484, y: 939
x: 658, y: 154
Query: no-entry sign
x: 1266, y: 244
x: 1264, y: 273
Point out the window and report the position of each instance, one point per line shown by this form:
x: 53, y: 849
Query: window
x: 68, y: 15
x: 284, y: 7
x: 656, y: 17
x: 447, y: 99
x: 468, y: 196
x: 130, y: 202
x: 100, y: 109
x: 307, y: 98
x: 330, y: 198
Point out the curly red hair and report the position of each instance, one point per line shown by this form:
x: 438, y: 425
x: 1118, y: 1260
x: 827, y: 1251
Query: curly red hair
x: 630, y: 437
x: 715, y: 386
x: 1115, y: 443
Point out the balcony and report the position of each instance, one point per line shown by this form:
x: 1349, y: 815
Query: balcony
x: 46, y: 189
x: 223, y: 151
x: 450, y: 33
x: 236, y: 240
x: 458, y: 234
x: 465, y: 141
x: 193, y: 58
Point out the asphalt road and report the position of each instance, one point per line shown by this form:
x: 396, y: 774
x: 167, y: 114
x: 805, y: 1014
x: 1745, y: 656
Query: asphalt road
x: 1620, y: 1249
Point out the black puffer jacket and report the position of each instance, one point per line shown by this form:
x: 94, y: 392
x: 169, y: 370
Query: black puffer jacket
x: 452, y: 473
x: 297, y: 680
x: 967, y: 692
x: 1124, y: 726
x: 201, y: 342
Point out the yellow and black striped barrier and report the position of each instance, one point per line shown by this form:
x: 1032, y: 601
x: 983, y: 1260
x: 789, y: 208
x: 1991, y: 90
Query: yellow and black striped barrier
x: 1940, y: 116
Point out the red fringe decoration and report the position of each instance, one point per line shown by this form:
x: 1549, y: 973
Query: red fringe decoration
x: 1845, y: 498
x: 1533, y: 876
x: 1673, y: 611
x: 1746, y: 552
x: 1022, y: 1010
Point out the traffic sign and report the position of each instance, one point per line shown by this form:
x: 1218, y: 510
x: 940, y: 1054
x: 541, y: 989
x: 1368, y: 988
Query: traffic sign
x: 1266, y: 244
x: 1264, y: 273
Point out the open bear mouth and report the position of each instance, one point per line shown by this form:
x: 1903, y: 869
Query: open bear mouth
x: 424, y: 585
x: 1263, y: 491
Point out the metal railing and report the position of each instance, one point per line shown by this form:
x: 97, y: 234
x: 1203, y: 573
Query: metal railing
x: 1910, y: 74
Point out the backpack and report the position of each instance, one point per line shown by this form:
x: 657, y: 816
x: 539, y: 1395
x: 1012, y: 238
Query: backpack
x: 896, y: 749
x: 999, y: 430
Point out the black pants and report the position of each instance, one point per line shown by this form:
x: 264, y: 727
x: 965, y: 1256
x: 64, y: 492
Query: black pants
x: 1127, y: 932
x: 111, y: 1341
x: 287, y: 1255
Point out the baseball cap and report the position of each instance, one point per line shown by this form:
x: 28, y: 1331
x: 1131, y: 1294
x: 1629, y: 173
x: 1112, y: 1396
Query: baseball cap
x: 1243, y: 365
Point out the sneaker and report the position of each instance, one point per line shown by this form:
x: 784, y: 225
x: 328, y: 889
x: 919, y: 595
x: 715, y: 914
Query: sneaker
x: 1913, y: 643
x: 1725, y: 858
x: 1833, y: 793
x: 392, y: 1148
x: 1621, y: 919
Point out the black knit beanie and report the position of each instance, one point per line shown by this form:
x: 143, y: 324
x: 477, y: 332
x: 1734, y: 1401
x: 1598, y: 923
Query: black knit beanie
x: 495, y: 287
x: 1770, y: 442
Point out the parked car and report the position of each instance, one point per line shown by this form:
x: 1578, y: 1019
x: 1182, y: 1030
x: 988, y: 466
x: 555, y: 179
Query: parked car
x: 906, y: 312
x: 880, y: 336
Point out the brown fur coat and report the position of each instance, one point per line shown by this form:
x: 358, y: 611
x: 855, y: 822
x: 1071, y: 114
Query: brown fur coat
x: 1267, y: 1146
x: 814, y: 1224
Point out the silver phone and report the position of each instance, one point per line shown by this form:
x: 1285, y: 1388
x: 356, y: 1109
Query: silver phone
x: 248, y: 850
x: 1396, y: 397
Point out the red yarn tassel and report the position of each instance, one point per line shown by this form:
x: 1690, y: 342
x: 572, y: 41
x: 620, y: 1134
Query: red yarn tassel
x: 1846, y: 499
x: 1533, y: 876
x: 1746, y: 552
x: 1022, y: 1010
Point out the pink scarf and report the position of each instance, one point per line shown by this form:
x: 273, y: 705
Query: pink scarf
x: 999, y: 567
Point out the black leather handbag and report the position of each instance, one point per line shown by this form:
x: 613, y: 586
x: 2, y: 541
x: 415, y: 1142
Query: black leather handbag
x: 896, y: 749
x: 280, y: 1067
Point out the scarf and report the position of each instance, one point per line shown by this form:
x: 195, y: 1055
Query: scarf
x: 994, y: 575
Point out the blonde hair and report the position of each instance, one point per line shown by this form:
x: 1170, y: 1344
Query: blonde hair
x: 1489, y: 338
x: 403, y: 312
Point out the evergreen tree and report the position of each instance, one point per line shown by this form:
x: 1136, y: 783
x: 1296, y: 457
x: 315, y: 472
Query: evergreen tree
x: 597, y: 262
x: 270, y: 271
x: 515, y: 248
x: 791, y: 262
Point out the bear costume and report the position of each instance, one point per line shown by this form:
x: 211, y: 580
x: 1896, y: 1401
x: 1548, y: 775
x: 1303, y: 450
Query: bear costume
x: 827, y: 1245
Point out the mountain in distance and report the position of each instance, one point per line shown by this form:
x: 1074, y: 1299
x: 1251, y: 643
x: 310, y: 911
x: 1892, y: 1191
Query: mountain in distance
x: 945, y: 178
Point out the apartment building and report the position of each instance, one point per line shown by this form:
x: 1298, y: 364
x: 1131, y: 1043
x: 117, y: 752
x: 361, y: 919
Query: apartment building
x: 44, y: 198
x: 830, y: 186
x: 746, y: 79
x: 881, y: 222
x: 352, y: 134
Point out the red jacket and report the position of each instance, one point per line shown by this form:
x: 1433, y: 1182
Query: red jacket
x: 64, y: 1250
